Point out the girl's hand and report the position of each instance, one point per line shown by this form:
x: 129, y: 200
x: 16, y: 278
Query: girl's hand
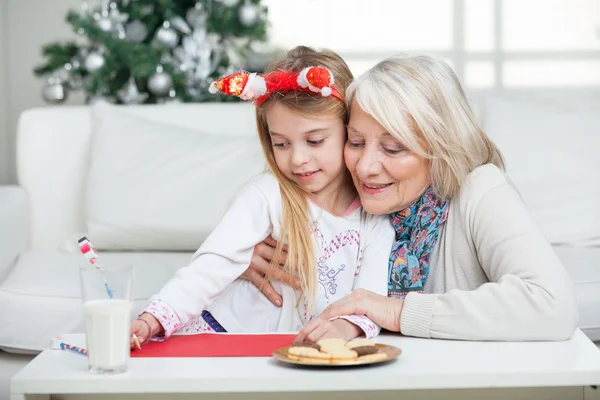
x: 144, y: 328
x: 260, y: 267
x: 318, y: 329
x: 382, y: 310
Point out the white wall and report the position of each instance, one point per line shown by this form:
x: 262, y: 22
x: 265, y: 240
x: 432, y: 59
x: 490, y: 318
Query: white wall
x: 25, y: 25
x: 3, y: 99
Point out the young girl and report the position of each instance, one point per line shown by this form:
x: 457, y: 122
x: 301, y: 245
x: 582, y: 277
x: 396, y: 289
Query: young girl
x: 307, y: 201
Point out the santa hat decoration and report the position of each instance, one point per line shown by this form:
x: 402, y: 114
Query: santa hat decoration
x: 317, y: 79
x: 258, y: 87
x: 232, y: 85
x: 241, y: 84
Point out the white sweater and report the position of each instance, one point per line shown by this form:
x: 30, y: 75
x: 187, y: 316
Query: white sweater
x: 493, y: 275
x: 344, y: 246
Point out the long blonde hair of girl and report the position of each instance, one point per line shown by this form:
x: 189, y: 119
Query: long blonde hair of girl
x: 296, y: 229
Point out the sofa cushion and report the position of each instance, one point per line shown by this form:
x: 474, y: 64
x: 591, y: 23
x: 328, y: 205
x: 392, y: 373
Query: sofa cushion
x: 55, y: 180
x: 41, y: 297
x: 551, y: 151
x: 155, y: 186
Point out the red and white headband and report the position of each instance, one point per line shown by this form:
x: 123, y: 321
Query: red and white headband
x: 257, y: 87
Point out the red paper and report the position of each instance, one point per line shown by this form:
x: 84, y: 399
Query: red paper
x: 215, y: 345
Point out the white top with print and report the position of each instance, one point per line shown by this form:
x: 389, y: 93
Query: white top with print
x: 352, y: 252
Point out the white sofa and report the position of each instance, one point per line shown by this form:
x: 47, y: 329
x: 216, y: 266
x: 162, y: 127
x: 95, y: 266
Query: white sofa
x: 147, y: 183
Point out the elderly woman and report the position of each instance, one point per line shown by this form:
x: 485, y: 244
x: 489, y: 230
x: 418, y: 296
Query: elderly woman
x: 468, y: 262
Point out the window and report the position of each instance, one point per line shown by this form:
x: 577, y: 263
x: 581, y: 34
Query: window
x: 489, y: 43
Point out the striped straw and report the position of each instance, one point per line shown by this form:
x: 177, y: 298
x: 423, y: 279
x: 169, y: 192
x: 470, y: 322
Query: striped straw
x: 76, y: 349
x: 92, y: 256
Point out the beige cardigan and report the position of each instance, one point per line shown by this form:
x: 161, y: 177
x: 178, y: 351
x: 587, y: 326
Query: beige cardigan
x: 493, y: 275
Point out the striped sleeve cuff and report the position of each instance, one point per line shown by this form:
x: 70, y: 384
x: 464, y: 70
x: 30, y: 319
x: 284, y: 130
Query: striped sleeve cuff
x: 417, y: 311
x: 369, y: 327
x: 165, y: 315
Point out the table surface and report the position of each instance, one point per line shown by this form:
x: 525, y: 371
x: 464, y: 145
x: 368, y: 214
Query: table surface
x: 423, y: 364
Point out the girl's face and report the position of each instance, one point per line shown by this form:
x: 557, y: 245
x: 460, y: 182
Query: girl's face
x: 308, y: 151
x: 387, y: 175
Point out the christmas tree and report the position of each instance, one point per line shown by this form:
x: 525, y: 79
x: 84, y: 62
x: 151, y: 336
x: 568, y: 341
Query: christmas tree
x: 155, y: 51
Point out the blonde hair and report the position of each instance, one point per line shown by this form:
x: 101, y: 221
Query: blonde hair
x: 420, y: 101
x: 296, y: 226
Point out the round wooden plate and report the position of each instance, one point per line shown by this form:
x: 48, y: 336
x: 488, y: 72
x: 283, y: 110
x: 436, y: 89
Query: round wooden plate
x: 392, y: 352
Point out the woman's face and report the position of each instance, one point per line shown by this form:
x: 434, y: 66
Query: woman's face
x: 386, y: 174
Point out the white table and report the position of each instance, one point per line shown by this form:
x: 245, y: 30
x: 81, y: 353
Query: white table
x: 426, y: 369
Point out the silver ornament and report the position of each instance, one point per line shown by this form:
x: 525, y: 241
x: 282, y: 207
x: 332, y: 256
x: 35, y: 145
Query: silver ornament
x: 160, y: 83
x: 130, y: 93
x: 54, y: 91
x: 248, y: 14
x: 94, y: 61
x: 136, y: 31
x: 196, y: 16
x: 166, y: 36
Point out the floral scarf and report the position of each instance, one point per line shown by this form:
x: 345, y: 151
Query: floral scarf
x: 417, y: 230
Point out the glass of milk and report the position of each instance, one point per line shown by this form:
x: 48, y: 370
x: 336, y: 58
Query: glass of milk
x: 107, y: 319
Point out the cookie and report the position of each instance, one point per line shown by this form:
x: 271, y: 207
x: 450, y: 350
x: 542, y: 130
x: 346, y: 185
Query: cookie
x: 373, y: 357
x: 345, y: 362
x: 306, y: 344
x: 308, y: 352
x: 338, y: 352
x: 360, y: 342
x: 331, y: 341
x: 365, y: 350
x: 310, y: 360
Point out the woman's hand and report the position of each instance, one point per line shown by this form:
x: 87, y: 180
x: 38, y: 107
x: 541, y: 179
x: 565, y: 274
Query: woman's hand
x: 382, y: 310
x: 260, y: 267
x: 318, y: 329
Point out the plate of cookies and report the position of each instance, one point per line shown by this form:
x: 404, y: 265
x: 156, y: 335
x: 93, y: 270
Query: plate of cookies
x: 336, y: 352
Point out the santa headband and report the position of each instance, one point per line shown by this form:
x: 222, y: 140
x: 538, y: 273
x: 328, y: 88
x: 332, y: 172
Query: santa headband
x: 257, y: 87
